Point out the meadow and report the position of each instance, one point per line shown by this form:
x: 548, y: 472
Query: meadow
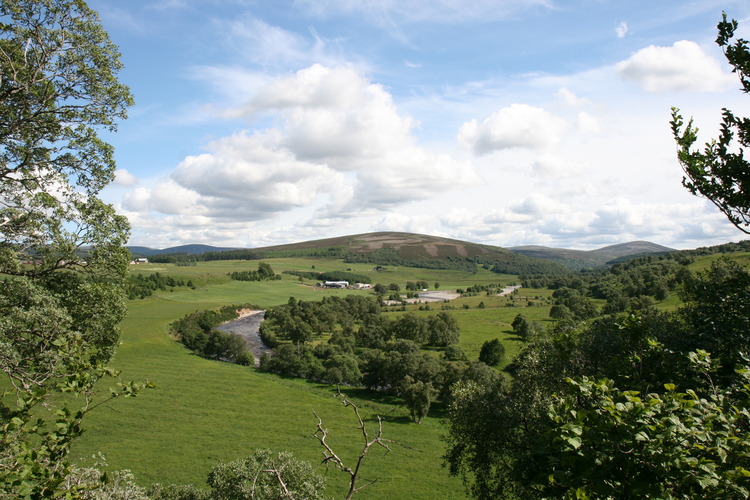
x: 202, y: 411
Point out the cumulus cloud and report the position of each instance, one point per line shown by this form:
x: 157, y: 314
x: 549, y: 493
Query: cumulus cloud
x: 548, y: 165
x: 682, y: 67
x: 243, y: 176
x: 516, y: 126
x: 338, y: 139
x: 538, y: 205
x: 124, y: 178
x: 587, y: 122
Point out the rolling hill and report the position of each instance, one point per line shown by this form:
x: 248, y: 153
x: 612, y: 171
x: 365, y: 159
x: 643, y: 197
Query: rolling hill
x: 585, y: 259
x: 140, y: 251
x: 419, y: 250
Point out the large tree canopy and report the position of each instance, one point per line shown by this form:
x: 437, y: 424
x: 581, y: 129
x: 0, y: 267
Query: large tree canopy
x: 61, y: 256
x: 720, y: 172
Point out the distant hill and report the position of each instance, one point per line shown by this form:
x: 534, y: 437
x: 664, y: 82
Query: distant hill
x: 182, y: 249
x: 419, y: 250
x: 382, y: 248
x: 586, y: 259
x: 408, y: 246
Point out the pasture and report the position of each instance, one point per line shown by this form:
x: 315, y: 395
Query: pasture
x: 202, y: 412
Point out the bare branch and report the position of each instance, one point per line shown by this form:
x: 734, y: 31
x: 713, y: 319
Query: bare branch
x: 329, y: 456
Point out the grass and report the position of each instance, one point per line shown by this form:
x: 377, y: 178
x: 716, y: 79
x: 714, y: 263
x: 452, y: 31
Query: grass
x: 203, y: 412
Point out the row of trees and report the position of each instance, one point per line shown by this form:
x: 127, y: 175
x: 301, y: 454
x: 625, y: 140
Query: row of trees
x: 264, y: 272
x: 140, y: 286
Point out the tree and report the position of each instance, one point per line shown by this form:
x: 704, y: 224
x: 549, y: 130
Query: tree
x: 60, y: 304
x: 330, y: 456
x: 418, y: 396
x: 266, y: 476
x: 492, y: 352
x: 624, y: 444
x: 720, y: 173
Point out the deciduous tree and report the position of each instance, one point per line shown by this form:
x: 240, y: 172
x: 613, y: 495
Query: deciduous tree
x: 720, y: 173
x: 60, y: 246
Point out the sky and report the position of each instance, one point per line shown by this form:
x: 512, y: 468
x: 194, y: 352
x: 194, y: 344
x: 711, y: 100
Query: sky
x: 502, y: 122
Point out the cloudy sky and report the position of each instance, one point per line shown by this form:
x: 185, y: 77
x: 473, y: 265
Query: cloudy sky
x: 505, y: 122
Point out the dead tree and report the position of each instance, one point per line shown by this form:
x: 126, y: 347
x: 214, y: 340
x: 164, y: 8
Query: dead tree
x: 329, y: 456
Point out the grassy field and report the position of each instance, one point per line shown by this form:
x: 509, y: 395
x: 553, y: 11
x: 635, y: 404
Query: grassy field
x: 202, y: 411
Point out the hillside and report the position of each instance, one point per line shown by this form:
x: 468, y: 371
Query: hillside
x: 409, y: 246
x: 418, y: 250
x: 182, y: 249
x: 404, y: 249
x: 586, y: 259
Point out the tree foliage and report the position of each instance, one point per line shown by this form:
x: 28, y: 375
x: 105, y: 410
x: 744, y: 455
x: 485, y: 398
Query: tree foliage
x: 60, y: 246
x: 720, y: 173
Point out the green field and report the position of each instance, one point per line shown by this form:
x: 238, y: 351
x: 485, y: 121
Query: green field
x: 202, y: 411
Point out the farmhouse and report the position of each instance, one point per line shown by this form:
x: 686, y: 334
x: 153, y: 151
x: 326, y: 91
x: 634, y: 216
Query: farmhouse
x: 336, y: 284
x: 141, y: 260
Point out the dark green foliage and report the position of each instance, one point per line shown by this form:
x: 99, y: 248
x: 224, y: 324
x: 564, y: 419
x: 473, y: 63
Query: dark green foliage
x: 196, y: 332
x: 624, y: 444
x: 454, y: 352
x: 720, y: 173
x: 560, y: 311
x: 263, y: 273
x: 541, y: 436
x: 140, y: 286
x: 717, y: 311
x: 492, y: 352
x: 418, y: 396
x: 178, y: 492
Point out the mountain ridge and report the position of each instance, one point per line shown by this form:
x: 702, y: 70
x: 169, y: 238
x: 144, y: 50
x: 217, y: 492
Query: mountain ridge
x: 387, y: 245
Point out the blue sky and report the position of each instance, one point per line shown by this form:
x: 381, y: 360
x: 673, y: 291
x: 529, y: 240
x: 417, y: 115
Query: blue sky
x: 505, y: 122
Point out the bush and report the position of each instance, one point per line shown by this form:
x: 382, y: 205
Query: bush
x: 492, y: 352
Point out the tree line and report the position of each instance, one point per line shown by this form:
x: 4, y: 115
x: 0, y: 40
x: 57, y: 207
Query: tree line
x: 367, y: 349
x: 197, y: 332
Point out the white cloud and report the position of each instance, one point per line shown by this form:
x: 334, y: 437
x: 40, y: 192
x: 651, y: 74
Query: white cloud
x: 538, y: 205
x: 339, y: 141
x: 587, y: 122
x: 550, y: 166
x: 682, y: 67
x: 621, y: 30
x: 516, y: 126
x: 570, y: 98
x: 124, y: 178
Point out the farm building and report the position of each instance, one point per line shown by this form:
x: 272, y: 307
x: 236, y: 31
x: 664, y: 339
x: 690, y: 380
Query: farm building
x: 336, y: 284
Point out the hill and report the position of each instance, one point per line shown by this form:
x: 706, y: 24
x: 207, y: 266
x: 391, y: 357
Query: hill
x: 182, y: 249
x: 587, y: 259
x: 408, y: 246
x: 404, y: 249
x: 418, y: 250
